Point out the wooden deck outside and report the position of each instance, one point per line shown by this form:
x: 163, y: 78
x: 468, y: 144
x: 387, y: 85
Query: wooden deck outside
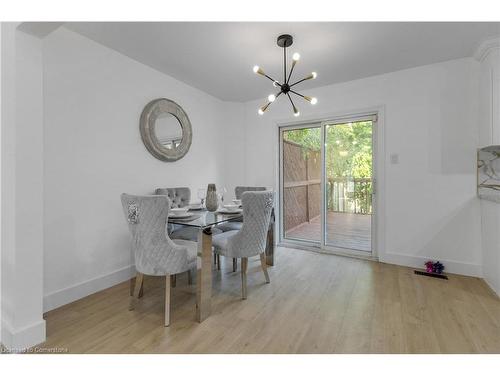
x: 351, y: 231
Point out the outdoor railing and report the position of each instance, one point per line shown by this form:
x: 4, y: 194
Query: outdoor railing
x: 351, y: 195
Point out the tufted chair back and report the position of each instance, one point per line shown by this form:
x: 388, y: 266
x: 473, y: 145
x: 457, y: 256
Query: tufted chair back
x: 252, y: 237
x: 239, y: 190
x: 179, y: 196
x: 155, y: 253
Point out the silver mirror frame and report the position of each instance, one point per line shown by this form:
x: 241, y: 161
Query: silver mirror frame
x: 150, y: 114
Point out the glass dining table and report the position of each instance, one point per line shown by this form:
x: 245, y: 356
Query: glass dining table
x: 205, y: 220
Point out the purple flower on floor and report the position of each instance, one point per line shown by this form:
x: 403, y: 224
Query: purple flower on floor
x: 429, y: 266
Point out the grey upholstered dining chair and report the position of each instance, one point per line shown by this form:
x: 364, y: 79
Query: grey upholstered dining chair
x: 239, y: 190
x: 180, y: 197
x: 251, y: 239
x: 236, y: 224
x: 154, y: 252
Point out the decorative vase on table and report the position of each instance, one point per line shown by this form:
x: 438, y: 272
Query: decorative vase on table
x: 211, y: 202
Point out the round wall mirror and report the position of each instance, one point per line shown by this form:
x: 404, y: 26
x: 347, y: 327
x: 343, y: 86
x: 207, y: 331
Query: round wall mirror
x: 165, y: 130
x: 168, y: 130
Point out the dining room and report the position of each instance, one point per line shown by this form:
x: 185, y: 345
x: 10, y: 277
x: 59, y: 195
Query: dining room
x: 327, y: 203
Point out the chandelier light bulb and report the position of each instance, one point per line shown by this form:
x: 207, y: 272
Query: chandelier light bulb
x: 313, y: 75
x: 276, y: 84
x: 258, y: 70
x: 310, y: 100
x: 271, y: 98
x: 263, y: 108
x: 296, y: 56
x: 296, y: 112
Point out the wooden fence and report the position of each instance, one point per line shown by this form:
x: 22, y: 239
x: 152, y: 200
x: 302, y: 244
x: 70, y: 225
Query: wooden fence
x: 302, y: 188
x: 302, y: 182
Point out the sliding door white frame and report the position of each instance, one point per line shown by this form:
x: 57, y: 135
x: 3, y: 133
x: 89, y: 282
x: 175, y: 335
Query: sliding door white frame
x: 376, y: 115
x: 281, y: 183
x: 342, y: 250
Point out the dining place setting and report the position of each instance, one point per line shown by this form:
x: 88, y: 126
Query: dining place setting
x: 194, y: 211
x: 172, y: 235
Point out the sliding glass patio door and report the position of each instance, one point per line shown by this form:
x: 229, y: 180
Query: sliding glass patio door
x: 301, y: 183
x: 348, y: 172
x: 327, y: 184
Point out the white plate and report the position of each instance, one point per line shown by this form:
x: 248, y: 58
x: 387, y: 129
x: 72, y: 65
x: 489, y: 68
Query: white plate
x: 227, y: 212
x: 183, y: 216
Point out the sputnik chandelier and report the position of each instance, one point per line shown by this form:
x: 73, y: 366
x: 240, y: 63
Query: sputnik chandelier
x: 285, y: 41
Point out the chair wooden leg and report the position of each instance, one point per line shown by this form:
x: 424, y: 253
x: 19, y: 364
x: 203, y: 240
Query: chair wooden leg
x: 139, y: 278
x: 215, y: 259
x: 132, y: 287
x: 218, y: 262
x: 190, y: 277
x: 141, y: 291
x: 167, y: 299
x: 173, y: 280
x: 244, y: 266
x: 235, y: 264
x: 263, y: 263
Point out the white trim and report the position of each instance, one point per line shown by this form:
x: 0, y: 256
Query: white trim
x: 453, y: 267
x: 496, y: 291
x: 331, y: 116
x: 365, y: 116
x: 460, y: 268
x: 485, y: 48
x: 309, y: 125
x: 85, y: 288
x: 330, y: 250
x: 23, y: 338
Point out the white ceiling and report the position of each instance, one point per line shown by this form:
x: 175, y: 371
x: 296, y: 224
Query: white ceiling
x: 218, y: 57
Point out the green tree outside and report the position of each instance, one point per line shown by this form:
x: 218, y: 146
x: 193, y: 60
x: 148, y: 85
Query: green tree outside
x: 348, y: 156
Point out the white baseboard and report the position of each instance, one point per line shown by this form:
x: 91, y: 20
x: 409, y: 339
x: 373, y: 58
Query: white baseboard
x: 16, y: 340
x: 83, y: 289
x: 492, y: 287
x: 460, y: 268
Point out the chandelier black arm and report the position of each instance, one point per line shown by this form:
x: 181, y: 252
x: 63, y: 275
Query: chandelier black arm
x: 290, y: 75
x: 296, y: 83
x: 296, y: 93
x: 284, y: 64
x: 272, y: 79
x: 291, y: 101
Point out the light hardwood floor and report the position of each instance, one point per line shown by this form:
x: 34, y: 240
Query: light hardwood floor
x: 316, y: 303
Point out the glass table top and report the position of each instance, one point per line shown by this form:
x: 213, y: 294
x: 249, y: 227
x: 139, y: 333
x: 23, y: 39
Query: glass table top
x: 203, y: 219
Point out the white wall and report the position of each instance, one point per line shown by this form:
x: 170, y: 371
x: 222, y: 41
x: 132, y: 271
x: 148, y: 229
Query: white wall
x: 93, y: 98
x: 489, y: 127
x: 22, y: 189
x: 1, y: 182
x: 431, y: 209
